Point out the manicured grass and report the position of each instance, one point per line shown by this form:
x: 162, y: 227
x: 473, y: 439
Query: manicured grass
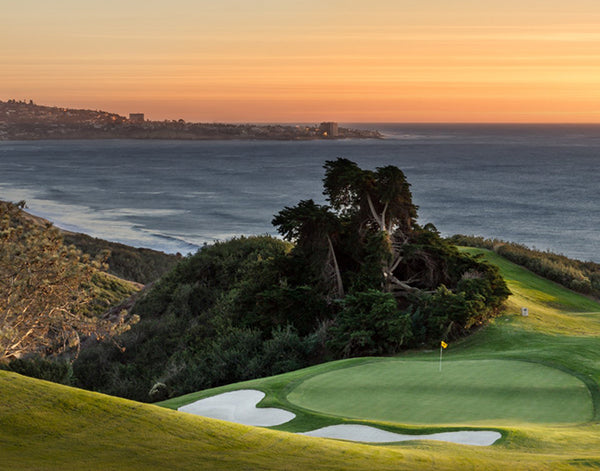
x: 44, y: 426
x: 552, y: 308
x: 554, y: 380
x: 472, y: 392
x: 556, y: 347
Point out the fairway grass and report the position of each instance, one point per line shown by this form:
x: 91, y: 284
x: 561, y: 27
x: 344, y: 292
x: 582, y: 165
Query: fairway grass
x: 553, y: 356
x: 45, y: 426
x: 535, y: 379
x: 470, y: 392
x: 553, y: 309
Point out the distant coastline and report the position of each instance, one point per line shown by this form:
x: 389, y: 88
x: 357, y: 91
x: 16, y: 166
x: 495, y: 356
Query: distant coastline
x: 27, y: 121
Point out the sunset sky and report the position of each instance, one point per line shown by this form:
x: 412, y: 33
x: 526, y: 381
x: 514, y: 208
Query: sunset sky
x: 308, y: 61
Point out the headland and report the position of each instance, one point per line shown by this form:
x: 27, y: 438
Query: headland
x: 25, y: 120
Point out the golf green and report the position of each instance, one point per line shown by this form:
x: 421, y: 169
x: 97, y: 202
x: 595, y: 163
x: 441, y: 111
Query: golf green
x: 465, y: 392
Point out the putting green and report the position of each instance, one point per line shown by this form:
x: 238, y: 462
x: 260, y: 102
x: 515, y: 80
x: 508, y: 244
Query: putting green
x: 465, y: 392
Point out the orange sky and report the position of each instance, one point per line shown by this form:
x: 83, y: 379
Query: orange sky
x: 303, y: 61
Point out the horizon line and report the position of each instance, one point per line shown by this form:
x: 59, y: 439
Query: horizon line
x: 411, y: 123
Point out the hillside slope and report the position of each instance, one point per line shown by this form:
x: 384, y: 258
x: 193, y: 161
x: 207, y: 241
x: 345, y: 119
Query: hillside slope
x: 51, y: 294
x: 561, y: 336
x: 140, y: 265
x: 48, y: 426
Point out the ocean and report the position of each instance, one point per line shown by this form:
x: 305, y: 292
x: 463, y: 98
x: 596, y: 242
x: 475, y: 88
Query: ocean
x: 533, y: 184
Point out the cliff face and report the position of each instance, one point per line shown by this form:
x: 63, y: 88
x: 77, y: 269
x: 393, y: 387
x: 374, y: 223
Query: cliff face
x: 21, y: 120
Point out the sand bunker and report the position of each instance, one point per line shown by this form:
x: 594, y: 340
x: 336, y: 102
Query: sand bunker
x: 364, y: 433
x: 239, y: 407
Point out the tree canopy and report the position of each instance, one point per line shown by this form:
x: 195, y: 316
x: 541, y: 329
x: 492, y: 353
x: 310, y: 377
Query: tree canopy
x: 359, y: 276
x: 370, y: 231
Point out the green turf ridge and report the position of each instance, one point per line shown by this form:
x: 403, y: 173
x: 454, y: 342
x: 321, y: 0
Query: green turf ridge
x: 471, y: 392
x: 46, y: 426
x: 508, y: 338
x: 559, y: 340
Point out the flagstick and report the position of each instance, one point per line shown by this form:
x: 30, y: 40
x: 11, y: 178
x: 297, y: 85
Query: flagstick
x: 441, y: 348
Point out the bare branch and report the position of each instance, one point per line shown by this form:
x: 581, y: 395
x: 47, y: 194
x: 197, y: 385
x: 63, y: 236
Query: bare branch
x: 374, y: 213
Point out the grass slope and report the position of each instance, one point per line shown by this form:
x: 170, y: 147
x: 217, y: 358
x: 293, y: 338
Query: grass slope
x: 44, y: 426
x: 472, y: 392
x: 47, y: 426
x: 556, y: 347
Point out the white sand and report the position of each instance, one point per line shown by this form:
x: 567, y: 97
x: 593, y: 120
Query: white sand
x: 239, y: 407
x: 364, y: 433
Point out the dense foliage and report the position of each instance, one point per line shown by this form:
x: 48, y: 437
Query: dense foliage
x: 36, y: 366
x: 583, y: 277
x: 216, y: 318
x: 50, y: 293
x: 358, y: 277
x: 130, y: 263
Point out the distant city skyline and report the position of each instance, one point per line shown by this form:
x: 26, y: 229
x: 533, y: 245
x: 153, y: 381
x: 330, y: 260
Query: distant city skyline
x: 310, y: 61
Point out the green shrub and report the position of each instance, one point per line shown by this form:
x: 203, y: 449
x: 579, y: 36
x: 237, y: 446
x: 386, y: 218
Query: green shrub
x: 55, y: 370
x: 130, y: 263
x: 287, y: 351
x: 370, y: 323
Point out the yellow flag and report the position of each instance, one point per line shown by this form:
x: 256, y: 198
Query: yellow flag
x: 444, y: 344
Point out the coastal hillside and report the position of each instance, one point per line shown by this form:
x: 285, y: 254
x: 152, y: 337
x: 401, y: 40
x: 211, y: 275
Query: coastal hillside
x: 583, y: 277
x: 52, y: 427
x: 140, y: 265
x: 359, y: 277
x: 52, y: 295
x: 26, y: 120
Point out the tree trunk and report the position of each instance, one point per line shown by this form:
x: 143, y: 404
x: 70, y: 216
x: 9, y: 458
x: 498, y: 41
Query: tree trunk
x: 336, y: 268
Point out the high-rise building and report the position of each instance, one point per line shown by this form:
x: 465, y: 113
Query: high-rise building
x: 329, y: 129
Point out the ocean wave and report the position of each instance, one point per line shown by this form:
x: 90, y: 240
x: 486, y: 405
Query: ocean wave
x: 511, y: 182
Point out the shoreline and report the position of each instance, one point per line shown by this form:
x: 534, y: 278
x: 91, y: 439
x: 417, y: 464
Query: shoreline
x: 218, y: 138
x: 20, y: 120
